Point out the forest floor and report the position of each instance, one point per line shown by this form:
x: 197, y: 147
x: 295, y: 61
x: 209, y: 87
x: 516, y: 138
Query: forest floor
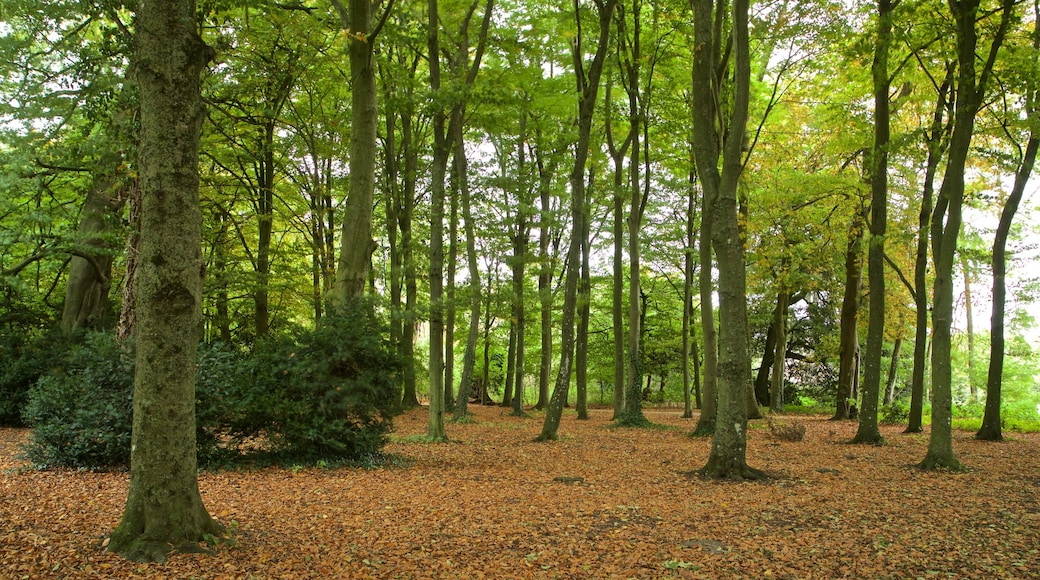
x: 489, y: 505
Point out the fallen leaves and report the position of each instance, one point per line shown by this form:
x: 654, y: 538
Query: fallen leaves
x: 600, y: 503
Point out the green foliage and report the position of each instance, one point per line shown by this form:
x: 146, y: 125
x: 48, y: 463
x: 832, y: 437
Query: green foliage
x: 326, y: 395
x: 24, y: 358
x: 329, y: 394
x: 81, y: 411
x: 894, y: 413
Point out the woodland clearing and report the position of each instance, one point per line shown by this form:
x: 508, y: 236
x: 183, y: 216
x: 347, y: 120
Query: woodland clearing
x: 601, y: 502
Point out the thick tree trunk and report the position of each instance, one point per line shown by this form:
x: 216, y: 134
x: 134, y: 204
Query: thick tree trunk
x: 90, y: 273
x: 728, y: 457
x: 164, y: 509
x: 356, y: 243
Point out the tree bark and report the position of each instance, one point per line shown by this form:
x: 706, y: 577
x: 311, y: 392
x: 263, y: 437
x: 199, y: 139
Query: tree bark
x: 848, y: 327
x: 728, y: 457
x: 947, y: 216
x: 991, y: 428
x: 868, y: 422
x: 90, y: 274
x: 776, y: 399
x: 588, y: 87
x: 164, y: 509
x: 356, y: 243
x: 893, y: 371
x: 936, y: 140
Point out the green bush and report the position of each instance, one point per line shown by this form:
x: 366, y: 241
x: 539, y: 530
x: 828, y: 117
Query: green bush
x: 24, y: 358
x: 325, y: 395
x: 895, y: 413
x: 81, y: 411
x: 330, y: 394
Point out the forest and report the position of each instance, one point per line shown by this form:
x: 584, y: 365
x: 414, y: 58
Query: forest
x: 258, y: 231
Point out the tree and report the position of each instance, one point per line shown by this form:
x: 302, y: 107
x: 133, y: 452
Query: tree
x: 947, y: 216
x: 991, y: 423
x: 588, y: 89
x: 728, y: 458
x: 164, y: 509
x: 868, y: 423
x: 356, y: 245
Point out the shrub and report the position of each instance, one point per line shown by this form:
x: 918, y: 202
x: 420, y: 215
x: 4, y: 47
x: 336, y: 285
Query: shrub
x: 329, y: 395
x: 894, y: 413
x: 24, y: 358
x: 81, y: 411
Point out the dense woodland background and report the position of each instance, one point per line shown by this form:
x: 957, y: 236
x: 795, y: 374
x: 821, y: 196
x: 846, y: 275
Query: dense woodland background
x: 472, y: 169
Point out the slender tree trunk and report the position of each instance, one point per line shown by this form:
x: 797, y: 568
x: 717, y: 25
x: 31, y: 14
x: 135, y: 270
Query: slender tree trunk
x: 581, y: 350
x: 405, y: 219
x: 164, y: 509
x: 438, y: 169
x: 849, y: 327
x: 991, y: 428
x: 776, y: 400
x: 868, y: 422
x: 969, y: 328
x: 588, y: 87
x: 764, y: 374
x: 470, y: 354
x: 688, y: 302
x: 449, y: 292
x: 946, y: 220
x: 893, y: 371
x: 545, y: 298
x: 936, y: 142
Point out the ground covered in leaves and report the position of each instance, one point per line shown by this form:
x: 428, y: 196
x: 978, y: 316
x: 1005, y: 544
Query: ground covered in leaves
x: 601, y: 502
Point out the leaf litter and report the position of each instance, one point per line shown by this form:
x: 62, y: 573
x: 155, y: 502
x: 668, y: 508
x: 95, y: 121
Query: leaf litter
x: 602, y: 502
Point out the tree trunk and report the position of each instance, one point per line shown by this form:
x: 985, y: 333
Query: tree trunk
x: 90, y: 273
x: 764, y: 375
x: 356, y: 244
x: 728, y: 457
x: 991, y: 428
x: 588, y: 87
x: 470, y: 355
x: 946, y: 221
x: 581, y: 350
x: 893, y: 371
x: 868, y: 423
x: 438, y: 170
x: 164, y: 509
x: 776, y: 399
x: 936, y: 141
x: 545, y: 298
x: 688, y: 303
x: 849, y: 328
x: 969, y: 328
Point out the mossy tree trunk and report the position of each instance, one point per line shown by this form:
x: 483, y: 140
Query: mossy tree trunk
x: 728, y: 457
x: 164, y: 510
